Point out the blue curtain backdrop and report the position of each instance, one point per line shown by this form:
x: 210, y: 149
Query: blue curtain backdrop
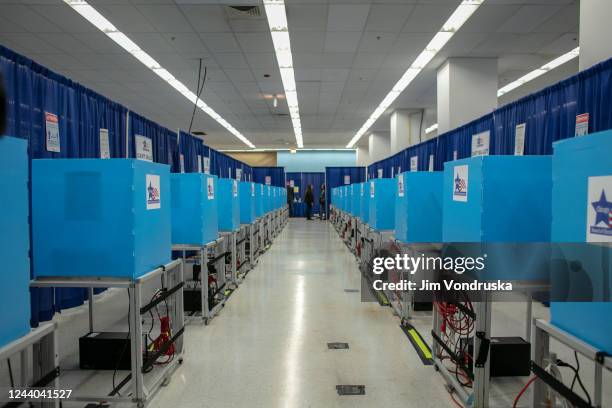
x: 33, y: 90
x: 549, y: 115
x: 334, y: 177
x: 302, y: 180
x: 276, y: 174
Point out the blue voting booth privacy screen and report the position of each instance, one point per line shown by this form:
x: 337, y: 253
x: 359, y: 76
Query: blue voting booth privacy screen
x: 228, y: 204
x: 418, y: 207
x: 582, y: 212
x: 194, y: 208
x: 100, y: 217
x: 247, y: 202
x: 364, y: 201
x: 14, y: 240
x: 382, y: 204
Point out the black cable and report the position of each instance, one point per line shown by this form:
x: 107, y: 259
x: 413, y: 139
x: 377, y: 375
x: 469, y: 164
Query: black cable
x: 125, y: 344
x: 199, y: 91
x: 10, y: 370
x: 576, y: 371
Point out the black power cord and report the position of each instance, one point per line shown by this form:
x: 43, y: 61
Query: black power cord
x: 577, y: 378
x: 198, y: 91
x: 125, y: 344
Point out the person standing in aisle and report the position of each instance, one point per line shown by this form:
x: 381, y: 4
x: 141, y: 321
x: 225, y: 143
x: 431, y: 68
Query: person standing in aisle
x: 309, y: 200
x: 322, y: 209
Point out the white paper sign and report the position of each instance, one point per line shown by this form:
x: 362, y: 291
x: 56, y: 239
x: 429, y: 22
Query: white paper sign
x: 372, y: 189
x: 269, y: 194
x: 52, y: 132
x: 414, y: 163
x: 519, y: 139
x: 104, y: 144
x: 238, y: 174
x: 392, y: 172
x: 235, y: 188
x: 380, y: 173
x: 347, y: 180
x: 455, y: 155
x: 268, y: 180
x: 460, y: 183
x: 153, y: 192
x: 229, y: 172
x: 431, y: 162
x: 261, y: 190
x: 400, y: 186
x: 182, y: 161
x: 206, y: 165
x: 399, y: 169
x: 362, y: 189
x: 291, y: 183
x: 210, y: 187
x: 480, y: 144
x: 582, y: 124
x: 199, y: 163
x: 144, y: 148
x: 599, y: 209
x: 252, y: 189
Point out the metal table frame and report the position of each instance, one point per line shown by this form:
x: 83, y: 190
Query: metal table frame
x: 202, y: 259
x: 543, y: 331
x: 44, y: 343
x: 143, y: 388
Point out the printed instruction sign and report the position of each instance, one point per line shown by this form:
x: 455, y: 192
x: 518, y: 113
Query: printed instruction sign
x: 153, y: 192
x: 460, y: 183
x: 235, y: 188
x: 268, y: 181
x: 400, y: 186
x: 252, y: 189
x: 206, y: 165
x: 380, y: 173
x: 104, y: 144
x: 362, y: 189
x: 582, y: 124
x: 430, y: 165
x: 199, y: 163
x: 144, y: 148
x: 414, y: 163
x: 519, y: 139
x: 480, y: 143
x: 238, y: 174
x: 182, y: 161
x: 599, y: 209
x: 291, y: 183
x: 455, y: 155
x: 371, y: 189
x: 347, y: 179
x: 210, y: 188
x: 52, y: 132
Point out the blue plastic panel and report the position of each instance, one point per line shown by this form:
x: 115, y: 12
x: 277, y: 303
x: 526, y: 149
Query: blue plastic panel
x: 497, y: 199
x: 355, y: 199
x: 364, y: 206
x: 14, y: 240
x: 228, y: 204
x: 382, y: 204
x: 247, y: 202
x: 418, y: 207
x: 582, y: 182
x: 259, y: 200
x: 96, y: 217
x: 194, y: 208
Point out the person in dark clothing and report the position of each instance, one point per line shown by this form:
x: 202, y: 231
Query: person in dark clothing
x: 322, y: 209
x: 290, y: 200
x: 309, y: 200
x: 3, y: 109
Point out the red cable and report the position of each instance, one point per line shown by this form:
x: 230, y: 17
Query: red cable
x: 520, y: 394
x: 454, y: 400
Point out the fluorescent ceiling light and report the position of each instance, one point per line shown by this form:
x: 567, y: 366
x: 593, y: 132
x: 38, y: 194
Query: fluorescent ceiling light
x: 279, y: 29
x: 461, y: 14
x: 98, y: 20
x: 432, y: 128
x: 530, y: 76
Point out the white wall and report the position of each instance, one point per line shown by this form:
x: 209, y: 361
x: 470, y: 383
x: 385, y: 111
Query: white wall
x: 363, y: 156
x: 379, y: 146
x: 595, y: 32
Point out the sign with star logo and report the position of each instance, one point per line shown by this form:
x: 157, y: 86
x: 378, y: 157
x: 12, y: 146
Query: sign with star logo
x: 599, y: 209
x: 460, y: 183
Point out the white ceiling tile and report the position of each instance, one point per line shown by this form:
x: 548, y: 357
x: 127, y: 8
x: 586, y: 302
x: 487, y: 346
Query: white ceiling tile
x: 528, y: 18
x: 388, y: 17
x: 231, y: 60
x: 377, y: 42
x: 239, y: 75
x: 248, y: 25
x: 560, y: 45
x: 126, y: 18
x: 307, y: 74
x: 255, y: 42
x: 357, y: 75
x: 411, y: 43
x: 334, y: 74
x: 489, y: 17
x: 347, y: 17
x: 206, y: 18
x: 186, y: 42
x: 307, y: 41
x: 165, y: 18
x: 261, y: 60
x: 428, y: 18
x: 567, y: 19
x: 365, y: 60
x: 306, y: 17
x: 153, y: 42
x: 341, y: 41
x: 27, y: 18
x: 65, y: 42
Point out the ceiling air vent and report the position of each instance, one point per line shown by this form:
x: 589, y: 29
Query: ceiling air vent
x: 243, y: 11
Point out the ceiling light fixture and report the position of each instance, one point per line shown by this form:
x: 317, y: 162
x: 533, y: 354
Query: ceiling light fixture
x: 279, y: 29
x: 432, y: 128
x: 461, y: 14
x: 540, y: 71
x: 98, y: 20
x: 275, y: 102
